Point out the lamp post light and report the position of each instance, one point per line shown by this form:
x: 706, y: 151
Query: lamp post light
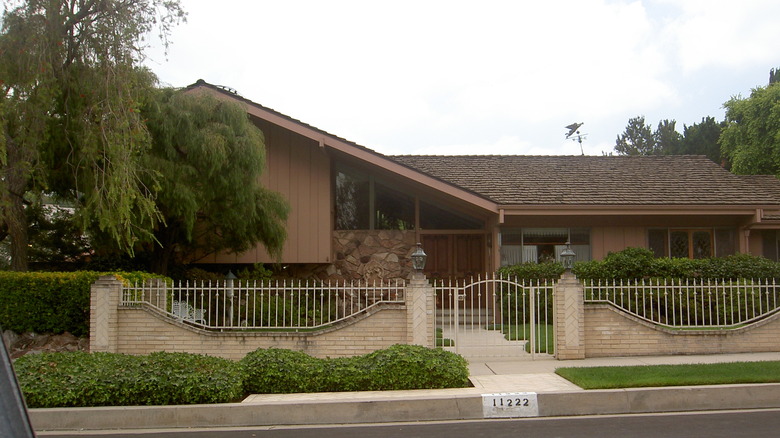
x: 567, y: 257
x: 418, y: 259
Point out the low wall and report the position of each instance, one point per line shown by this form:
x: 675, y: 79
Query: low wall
x: 610, y: 332
x: 143, y: 330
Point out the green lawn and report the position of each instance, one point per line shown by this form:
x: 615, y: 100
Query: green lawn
x: 545, y: 339
x: 672, y: 375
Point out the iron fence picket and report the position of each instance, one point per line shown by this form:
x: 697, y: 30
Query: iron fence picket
x: 695, y: 303
x: 289, y: 305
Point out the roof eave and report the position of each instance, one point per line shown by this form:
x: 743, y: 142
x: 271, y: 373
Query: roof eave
x: 361, y: 153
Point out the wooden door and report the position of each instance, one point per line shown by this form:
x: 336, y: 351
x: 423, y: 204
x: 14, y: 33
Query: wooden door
x: 454, y: 256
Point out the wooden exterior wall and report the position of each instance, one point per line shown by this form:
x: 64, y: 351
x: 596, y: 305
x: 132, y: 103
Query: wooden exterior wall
x: 299, y: 169
x: 604, y: 240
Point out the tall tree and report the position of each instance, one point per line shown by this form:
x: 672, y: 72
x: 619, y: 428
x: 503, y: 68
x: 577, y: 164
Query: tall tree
x: 69, y: 98
x: 667, y: 140
x: 751, y: 138
x: 702, y: 139
x: 209, y: 157
x: 637, y: 139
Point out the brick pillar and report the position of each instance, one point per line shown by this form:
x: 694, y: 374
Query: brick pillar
x: 104, y: 300
x: 569, y: 318
x: 420, y: 312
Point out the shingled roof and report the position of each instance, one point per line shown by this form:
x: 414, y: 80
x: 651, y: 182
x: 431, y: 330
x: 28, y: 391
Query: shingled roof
x: 598, y: 180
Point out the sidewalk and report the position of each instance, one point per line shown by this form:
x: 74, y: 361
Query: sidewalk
x: 555, y: 397
x: 493, y: 374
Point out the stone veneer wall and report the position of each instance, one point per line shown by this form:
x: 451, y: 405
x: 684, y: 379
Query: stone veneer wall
x: 610, y: 332
x: 372, y: 255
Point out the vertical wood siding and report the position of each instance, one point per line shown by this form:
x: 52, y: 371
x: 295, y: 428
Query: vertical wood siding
x: 299, y: 169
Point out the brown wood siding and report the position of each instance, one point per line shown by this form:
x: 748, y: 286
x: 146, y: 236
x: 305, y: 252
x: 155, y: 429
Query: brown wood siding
x: 613, y: 239
x: 299, y: 169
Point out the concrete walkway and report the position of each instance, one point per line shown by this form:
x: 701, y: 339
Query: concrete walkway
x: 555, y: 397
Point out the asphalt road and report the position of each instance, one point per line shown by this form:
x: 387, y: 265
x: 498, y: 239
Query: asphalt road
x: 753, y: 423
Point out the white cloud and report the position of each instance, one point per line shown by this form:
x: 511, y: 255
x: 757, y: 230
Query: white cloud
x: 494, y: 76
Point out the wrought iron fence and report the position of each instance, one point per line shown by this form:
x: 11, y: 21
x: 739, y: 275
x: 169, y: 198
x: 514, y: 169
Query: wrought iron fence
x: 691, y: 303
x: 279, y: 305
x: 519, y: 309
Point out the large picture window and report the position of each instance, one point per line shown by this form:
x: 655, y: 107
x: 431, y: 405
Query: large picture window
x: 362, y: 203
x: 696, y: 243
x: 539, y: 245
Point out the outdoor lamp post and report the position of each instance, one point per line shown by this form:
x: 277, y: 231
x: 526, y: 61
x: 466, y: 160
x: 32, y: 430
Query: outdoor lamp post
x: 418, y: 259
x: 229, y: 280
x: 567, y: 257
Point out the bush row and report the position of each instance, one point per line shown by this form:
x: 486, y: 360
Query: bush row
x: 104, y: 379
x: 51, y: 302
x: 634, y: 263
x: 395, y: 368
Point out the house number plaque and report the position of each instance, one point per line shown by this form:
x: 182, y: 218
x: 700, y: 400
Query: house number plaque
x: 510, y: 405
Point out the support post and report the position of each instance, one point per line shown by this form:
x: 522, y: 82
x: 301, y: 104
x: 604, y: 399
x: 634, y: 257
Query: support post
x: 104, y: 301
x: 420, y: 311
x: 569, y: 318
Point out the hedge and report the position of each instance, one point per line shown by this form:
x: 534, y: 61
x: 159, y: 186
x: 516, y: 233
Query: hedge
x: 637, y: 263
x: 275, y: 371
x: 110, y: 379
x: 51, y: 302
x: 78, y: 379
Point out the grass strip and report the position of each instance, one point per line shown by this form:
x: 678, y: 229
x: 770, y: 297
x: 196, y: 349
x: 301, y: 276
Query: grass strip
x: 672, y: 375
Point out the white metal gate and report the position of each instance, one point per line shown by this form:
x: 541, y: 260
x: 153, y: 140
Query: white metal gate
x: 495, y: 317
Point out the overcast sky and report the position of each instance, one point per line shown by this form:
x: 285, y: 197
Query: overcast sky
x: 479, y: 77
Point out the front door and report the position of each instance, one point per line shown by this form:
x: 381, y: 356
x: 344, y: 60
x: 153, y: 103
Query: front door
x: 454, y: 256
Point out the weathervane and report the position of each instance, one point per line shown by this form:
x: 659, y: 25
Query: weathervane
x: 574, y: 134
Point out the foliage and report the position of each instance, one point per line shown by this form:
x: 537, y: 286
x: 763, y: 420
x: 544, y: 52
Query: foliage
x: 51, y: 302
x: 637, y: 139
x: 702, y: 139
x: 751, y: 138
x: 256, y: 272
x: 69, y: 99
x: 532, y: 271
x: 105, y: 379
x: 414, y: 367
x: 207, y: 159
x: 672, y: 375
x: 397, y: 367
x: 637, y: 263
x: 54, y: 236
x: 697, y: 139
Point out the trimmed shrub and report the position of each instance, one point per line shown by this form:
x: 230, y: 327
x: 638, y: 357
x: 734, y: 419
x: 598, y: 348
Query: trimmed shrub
x: 51, y: 302
x: 275, y: 371
x: 415, y: 367
x: 106, y: 379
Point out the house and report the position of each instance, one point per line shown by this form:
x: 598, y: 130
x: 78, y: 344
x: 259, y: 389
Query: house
x: 356, y: 213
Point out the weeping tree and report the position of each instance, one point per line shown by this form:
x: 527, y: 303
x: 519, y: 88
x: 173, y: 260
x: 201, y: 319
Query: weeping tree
x: 71, y: 88
x: 208, y: 157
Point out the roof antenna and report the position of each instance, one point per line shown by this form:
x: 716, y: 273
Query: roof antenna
x: 574, y: 134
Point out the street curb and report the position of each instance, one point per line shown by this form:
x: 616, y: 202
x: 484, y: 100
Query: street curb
x: 441, y: 406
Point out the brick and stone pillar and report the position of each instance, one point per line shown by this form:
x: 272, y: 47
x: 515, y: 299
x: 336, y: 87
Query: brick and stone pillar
x: 420, y: 311
x: 104, y: 300
x: 569, y: 318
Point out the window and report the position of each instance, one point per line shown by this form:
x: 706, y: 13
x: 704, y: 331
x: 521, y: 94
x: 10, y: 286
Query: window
x: 770, y: 240
x: 362, y: 203
x: 436, y: 217
x: 692, y: 243
x: 541, y: 245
